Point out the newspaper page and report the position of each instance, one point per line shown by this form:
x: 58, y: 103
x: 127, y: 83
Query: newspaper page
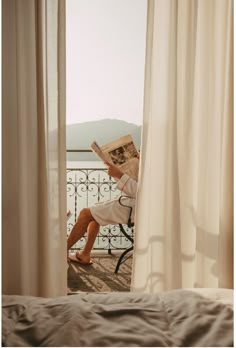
x: 121, y: 152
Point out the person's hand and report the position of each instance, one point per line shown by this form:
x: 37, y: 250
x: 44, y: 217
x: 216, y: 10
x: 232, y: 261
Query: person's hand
x: 114, y: 171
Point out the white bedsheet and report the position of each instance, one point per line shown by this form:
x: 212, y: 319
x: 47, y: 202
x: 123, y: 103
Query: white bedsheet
x: 225, y: 296
x: 177, y: 318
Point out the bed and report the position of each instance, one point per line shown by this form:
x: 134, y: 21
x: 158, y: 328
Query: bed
x: 189, y: 318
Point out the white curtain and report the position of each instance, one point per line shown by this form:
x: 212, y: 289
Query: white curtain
x: 33, y: 153
x: 184, y: 221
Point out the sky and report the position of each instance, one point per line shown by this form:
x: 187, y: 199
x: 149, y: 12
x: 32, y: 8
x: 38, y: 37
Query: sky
x: 105, y: 59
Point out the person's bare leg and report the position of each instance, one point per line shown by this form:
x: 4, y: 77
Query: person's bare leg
x: 80, y: 227
x: 85, y: 254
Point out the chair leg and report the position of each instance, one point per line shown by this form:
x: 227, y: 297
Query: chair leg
x: 121, y: 258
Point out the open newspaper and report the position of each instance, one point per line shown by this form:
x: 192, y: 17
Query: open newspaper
x: 121, y: 152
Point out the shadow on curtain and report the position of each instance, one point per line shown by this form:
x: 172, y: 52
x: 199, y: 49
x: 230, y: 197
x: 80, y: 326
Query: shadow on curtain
x: 184, y: 219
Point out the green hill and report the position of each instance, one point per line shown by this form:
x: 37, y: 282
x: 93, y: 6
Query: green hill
x: 79, y: 136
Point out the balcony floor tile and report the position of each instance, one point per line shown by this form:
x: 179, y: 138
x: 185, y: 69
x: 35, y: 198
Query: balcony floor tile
x: 100, y: 276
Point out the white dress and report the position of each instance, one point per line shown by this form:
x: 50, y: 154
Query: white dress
x: 112, y: 212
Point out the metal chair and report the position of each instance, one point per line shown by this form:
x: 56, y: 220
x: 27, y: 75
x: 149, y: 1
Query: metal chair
x: 130, y: 224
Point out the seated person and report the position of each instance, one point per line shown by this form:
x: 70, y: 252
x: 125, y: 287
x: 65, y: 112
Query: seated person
x: 109, y: 212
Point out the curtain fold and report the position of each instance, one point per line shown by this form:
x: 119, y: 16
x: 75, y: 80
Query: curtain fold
x: 34, y: 163
x: 184, y: 219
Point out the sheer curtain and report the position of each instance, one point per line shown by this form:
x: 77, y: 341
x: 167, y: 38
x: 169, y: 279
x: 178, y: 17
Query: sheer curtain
x: 184, y: 223
x: 33, y: 153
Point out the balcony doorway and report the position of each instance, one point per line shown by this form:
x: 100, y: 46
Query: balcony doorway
x: 105, y: 55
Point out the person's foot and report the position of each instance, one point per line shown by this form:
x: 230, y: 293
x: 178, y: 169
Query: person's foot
x: 81, y: 258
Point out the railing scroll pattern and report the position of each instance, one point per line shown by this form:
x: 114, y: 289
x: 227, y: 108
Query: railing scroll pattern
x: 86, y: 187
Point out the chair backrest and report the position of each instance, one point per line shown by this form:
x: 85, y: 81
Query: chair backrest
x: 129, y: 222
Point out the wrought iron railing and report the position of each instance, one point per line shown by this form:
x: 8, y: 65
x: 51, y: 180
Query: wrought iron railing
x: 88, y: 186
